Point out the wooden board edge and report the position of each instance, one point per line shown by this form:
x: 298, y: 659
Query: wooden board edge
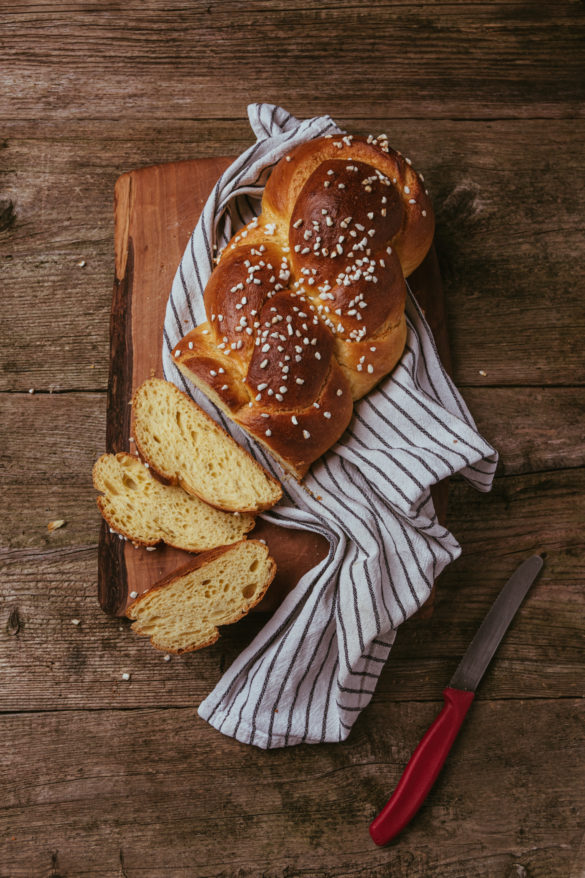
x: 112, y: 577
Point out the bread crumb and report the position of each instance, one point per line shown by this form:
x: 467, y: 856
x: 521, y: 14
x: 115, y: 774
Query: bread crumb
x: 76, y: 621
x: 82, y: 263
x: 167, y: 658
x: 481, y: 372
x: 31, y: 390
x: 125, y: 676
x: 181, y: 614
x: 55, y: 525
x: 133, y: 594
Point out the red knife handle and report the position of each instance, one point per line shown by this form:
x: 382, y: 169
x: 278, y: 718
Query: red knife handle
x: 423, y: 768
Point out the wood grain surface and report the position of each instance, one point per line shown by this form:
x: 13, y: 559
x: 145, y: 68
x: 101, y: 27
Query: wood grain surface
x: 103, y: 777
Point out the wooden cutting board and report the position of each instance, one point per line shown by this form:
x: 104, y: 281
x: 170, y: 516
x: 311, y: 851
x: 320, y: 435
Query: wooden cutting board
x: 155, y: 211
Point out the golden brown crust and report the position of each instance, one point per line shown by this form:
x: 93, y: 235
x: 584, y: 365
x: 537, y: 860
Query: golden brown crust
x: 315, y: 287
x: 299, y: 438
x: 218, y: 374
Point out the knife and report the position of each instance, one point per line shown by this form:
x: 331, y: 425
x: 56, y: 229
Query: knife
x: 428, y: 758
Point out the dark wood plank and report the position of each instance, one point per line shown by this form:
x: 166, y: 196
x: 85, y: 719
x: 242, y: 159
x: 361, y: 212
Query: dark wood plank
x: 440, y: 60
x: 534, y: 429
x: 50, y: 442
x: 508, y: 802
x: 47, y: 661
x: 487, y: 99
x: 509, y: 237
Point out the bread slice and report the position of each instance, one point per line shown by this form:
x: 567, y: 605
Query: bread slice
x: 181, y: 612
x: 138, y: 506
x: 186, y: 447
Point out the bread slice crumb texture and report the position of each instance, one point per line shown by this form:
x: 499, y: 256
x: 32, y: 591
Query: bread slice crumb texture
x: 140, y: 508
x: 182, y: 612
x: 183, y: 444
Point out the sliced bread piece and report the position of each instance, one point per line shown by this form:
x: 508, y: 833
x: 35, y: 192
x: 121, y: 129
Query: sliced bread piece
x: 181, y: 612
x: 186, y: 447
x: 138, y: 506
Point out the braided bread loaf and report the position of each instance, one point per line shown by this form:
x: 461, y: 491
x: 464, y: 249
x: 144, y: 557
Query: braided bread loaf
x: 306, y: 305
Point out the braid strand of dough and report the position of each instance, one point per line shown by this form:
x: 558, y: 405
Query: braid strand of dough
x: 305, y: 309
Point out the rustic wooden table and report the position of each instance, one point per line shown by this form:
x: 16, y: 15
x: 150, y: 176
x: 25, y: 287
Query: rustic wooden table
x: 101, y: 777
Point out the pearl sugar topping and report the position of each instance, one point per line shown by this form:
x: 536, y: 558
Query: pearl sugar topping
x: 282, y: 315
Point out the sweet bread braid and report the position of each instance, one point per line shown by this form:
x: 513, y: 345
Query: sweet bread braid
x: 306, y: 305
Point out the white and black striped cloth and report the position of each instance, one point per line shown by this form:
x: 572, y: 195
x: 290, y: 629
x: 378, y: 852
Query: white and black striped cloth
x: 313, y: 667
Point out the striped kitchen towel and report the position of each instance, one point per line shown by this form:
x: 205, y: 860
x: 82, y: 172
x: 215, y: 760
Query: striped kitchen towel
x: 314, y: 666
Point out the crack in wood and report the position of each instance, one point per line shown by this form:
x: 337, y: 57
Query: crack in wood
x: 14, y: 623
x: 123, y: 872
x: 55, y: 873
x: 7, y: 214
